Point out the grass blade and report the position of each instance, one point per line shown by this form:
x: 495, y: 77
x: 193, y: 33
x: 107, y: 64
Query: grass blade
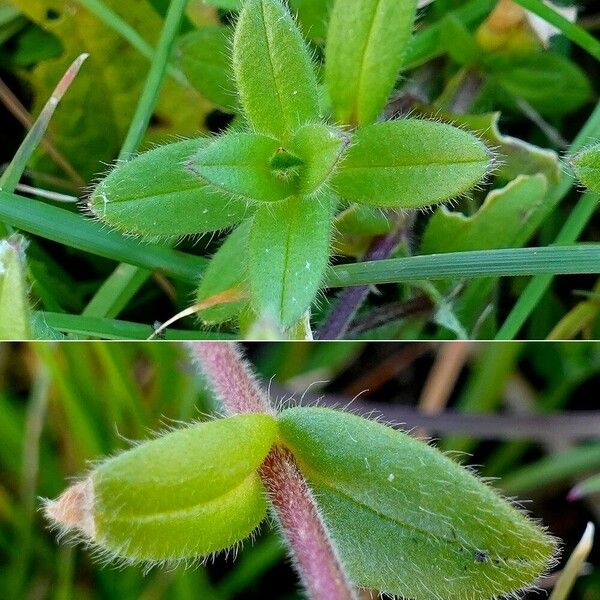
x: 126, y: 280
x: 584, y: 258
x: 110, y: 329
x: 573, y: 567
x: 73, y: 230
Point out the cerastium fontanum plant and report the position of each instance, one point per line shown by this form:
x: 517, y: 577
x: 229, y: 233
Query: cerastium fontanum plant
x: 298, y: 151
x: 359, y: 504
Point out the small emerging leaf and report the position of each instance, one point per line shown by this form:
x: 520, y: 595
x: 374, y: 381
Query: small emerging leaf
x: 365, y: 48
x: 204, y: 57
x: 587, y: 167
x: 240, y: 164
x: 155, y: 194
x: 321, y: 148
x: 14, y: 307
x: 274, y: 73
x: 410, y: 163
x: 186, y: 494
x: 406, y: 519
x: 289, y: 250
x: 227, y: 270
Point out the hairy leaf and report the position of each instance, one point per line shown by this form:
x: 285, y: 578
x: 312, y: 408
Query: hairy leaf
x: 275, y: 77
x: 406, y: 519
x: 155, y: 194
x: 516, y: 156
x: 289, y: 250
x: 587, y: 167
x: 204, y: 57
x: 365, y: 47
x: 186, y: 494
x: 240, y: 164
x: 14, y: 307
x: 321, y: 149
x: 410, y: 163
x: 227, y: 270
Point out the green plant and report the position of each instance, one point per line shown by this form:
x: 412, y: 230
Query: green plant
x: 587, y: 167
x: 340, y: 486
x: 288, y: 168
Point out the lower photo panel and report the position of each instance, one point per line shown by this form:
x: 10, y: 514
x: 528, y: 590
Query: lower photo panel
x: 222, y: 471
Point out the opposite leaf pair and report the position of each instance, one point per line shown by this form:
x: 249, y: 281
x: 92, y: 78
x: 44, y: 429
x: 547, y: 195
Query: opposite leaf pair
x: 287, y: 172
x: 405, y: 519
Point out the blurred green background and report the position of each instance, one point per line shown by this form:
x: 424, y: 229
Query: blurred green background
x: 63, y: 405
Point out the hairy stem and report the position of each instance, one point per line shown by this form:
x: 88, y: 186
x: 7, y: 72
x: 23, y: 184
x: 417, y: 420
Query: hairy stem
x: 231, y: 378
x: 313, y: 553
x: 295, y: 507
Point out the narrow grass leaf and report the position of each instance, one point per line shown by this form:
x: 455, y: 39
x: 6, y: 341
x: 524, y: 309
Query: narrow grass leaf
x: 365, y: 48
x: 273, y: 70
x: 572, y: 570
x: 189, y: 493
x: 156, y: 195
x: 453, y: 535
x: 289, y: 250
x: 411, y: 163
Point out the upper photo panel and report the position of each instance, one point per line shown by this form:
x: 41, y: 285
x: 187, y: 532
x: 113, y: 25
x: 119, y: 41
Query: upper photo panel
x: 310, y: 169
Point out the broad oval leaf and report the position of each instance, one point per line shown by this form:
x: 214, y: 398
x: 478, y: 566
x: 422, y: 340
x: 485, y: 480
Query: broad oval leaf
x: 189, y: 493
x: 506, y: 219
x: 411, y: 163
x: 364, y: 52
x: 240, y: 164
x: 155, y: 194
x: 204, y: 56
x: 587, y: 167
x: 289, y: 251
x: 321, y: 148
x: 14, y: 305
x: 273, y: 70
x: 406, y: 519
x: 227, y: 271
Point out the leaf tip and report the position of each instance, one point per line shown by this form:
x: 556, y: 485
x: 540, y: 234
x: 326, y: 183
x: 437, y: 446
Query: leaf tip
x: 73, y: 509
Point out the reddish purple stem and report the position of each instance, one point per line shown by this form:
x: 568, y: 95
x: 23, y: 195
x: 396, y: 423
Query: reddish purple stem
x: 314, y: 555
x: 231, y: 378
x: 351, y: 299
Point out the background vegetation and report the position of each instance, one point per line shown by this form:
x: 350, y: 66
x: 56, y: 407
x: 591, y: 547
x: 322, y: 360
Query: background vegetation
x: 527, y: 412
